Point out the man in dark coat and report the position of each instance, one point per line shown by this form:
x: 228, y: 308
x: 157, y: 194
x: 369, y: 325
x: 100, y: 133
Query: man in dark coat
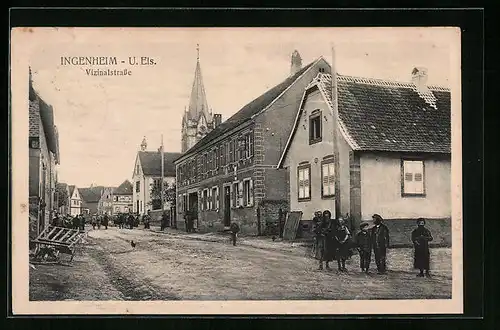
x: 363, y: 244
x: 130, y: 221
x: 76, y: 222
x: 105, y: 221
x: 380, y: 243
x: 421, y: 237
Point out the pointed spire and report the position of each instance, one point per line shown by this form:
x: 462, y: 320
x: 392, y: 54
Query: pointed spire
x: 198, y: 101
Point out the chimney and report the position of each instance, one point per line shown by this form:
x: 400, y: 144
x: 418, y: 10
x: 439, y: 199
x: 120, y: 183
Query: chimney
x: 296, y: 63
x: 419, y: 78
x: 217, y: 119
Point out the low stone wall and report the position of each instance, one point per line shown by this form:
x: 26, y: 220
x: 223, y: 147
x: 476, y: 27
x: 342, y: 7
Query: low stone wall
x: 400, y: 231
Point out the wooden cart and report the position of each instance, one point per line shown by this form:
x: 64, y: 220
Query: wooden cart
x: 54, y: 241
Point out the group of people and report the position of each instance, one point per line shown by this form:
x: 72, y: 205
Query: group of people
x: 76, y: 222
x: 126, y: 220
x: 100, y: 220
x: 334, y: 241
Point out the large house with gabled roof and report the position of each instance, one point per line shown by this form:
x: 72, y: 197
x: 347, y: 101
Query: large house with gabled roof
x: 147, y: 173
x: 361, y: 146
x: 231, y: 173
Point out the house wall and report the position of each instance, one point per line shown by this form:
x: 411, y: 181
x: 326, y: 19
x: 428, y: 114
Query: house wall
x: 381, y: 194
x: 38, y: 160
x: 301, y: 151
x: 381, y: 189
x: 271, y: 130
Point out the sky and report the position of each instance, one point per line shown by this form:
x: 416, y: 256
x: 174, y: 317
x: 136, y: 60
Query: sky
x: 102, y: 120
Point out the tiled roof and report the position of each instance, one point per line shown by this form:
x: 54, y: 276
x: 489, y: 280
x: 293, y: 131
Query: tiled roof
x: 151, y: 163
x: 246, y: 113
x: 91, y: 194
x: 381, y: 115
x: 71, y: 189
x: 124, y: 189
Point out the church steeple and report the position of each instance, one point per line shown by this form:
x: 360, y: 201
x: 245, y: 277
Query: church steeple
x: 144, y: 144
x: 198, y: 101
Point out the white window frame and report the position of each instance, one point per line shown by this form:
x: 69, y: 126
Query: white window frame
x: 327, y: 178
x: 302, y: 181
x: 248, y: 194
x: 412, y: 177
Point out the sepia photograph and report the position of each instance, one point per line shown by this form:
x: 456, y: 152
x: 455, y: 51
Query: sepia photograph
x: 233, y: 170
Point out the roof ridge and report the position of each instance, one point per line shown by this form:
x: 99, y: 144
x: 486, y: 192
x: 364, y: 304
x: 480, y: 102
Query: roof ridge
x: 388, y: 82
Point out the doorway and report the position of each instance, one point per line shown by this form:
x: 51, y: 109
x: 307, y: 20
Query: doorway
x: 227, y: 206
x: 193, y: 205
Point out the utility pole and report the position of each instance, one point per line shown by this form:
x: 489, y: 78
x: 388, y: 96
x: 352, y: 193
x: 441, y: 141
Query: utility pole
x: 162, y: 174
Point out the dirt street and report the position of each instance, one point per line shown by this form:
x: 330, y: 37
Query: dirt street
x: 166, y: 266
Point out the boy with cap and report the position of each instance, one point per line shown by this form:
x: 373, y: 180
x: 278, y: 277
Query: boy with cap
x: 363, y: 242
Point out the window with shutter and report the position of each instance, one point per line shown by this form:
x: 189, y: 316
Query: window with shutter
x: 236, y: 194
x: 328, y: 178
x: 240, y: 193
x: 217, y: 198
x: 231, y: 191
x: 251, y: 192
x: 413, y: 178
x: 304, y: 182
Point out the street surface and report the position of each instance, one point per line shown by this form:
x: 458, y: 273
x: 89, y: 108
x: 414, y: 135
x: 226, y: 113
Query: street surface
x: 176, y: 266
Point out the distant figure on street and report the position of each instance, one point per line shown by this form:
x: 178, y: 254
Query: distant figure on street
x: 76, y: 222
x: 105, y: 221
x: 130, y: 221
x: 187, y: 220
x: 421, y: 237
x: 235, y: 229
x: 380, y: 243
x: 363, y: 244
x: 94, y: 221
x: 342, y: 236
x: 82, y: 222
x: 164, y: 221
x: 55, y: 220
x: 146, y: 220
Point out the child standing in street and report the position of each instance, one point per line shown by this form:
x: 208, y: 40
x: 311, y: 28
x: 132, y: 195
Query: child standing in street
x: 234, y: 232
x: 363, y: 243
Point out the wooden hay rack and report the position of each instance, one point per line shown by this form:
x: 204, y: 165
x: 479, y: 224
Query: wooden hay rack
x: 55, y: 241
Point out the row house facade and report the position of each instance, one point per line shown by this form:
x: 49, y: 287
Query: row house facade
x: 122, y: 198
x: 361, y: 146
x: 43, y: 161
x: 75, y: 201
x: 231, y: 174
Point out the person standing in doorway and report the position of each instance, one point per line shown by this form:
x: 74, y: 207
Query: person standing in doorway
x: 380, y: 243
x: 364, y: 247
x: 164, y: 220
x: 421, y: 237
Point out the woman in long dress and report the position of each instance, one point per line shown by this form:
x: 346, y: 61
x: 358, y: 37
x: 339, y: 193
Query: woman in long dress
x: 421, y: 237
x: 342, y: 236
